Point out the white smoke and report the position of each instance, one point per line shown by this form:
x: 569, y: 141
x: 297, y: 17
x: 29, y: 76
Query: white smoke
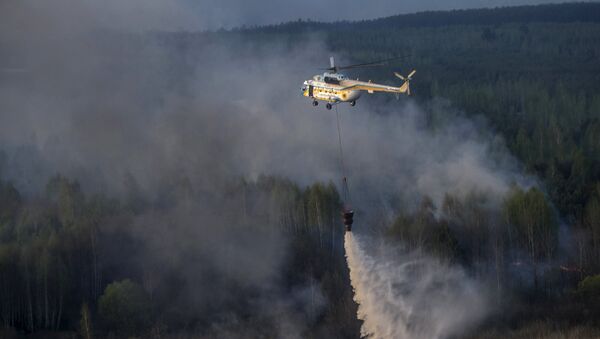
x: 411, y: 296
x: 125, y: 113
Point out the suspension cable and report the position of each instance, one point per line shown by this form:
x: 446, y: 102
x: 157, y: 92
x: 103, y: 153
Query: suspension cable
x: 345, y: 189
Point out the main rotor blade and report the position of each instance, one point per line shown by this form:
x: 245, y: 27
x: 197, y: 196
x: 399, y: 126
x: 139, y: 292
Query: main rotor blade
x: 371, y: 64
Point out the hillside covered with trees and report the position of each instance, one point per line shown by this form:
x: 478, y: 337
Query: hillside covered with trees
x: 91, y: 264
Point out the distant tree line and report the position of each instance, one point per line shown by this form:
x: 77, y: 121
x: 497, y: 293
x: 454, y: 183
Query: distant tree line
x: 550, y: 13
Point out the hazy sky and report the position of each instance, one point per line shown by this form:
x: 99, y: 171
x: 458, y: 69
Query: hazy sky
x: 213, y: 14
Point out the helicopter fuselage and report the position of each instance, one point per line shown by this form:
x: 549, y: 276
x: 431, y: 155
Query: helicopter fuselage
x: 334, y: 88
x: 330, y: 88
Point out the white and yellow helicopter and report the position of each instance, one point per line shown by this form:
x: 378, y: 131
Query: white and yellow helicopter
x: 333, y: 87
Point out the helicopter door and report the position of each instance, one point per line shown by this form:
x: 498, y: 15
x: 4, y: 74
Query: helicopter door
x: 310, y: 91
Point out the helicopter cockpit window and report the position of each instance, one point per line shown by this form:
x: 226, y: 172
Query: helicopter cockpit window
x: 331, y: 80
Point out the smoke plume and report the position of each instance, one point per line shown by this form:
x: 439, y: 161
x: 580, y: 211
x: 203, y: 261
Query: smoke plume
x: 149, y: 114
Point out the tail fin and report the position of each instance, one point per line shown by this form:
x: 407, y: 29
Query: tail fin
x: 405, y: 88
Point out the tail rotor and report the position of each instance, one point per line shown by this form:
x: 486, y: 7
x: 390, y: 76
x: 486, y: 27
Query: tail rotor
x: 406, y: 85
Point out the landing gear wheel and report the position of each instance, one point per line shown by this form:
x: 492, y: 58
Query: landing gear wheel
x: 328, y: 106
x: 352, y: 103
x: 315, y: 103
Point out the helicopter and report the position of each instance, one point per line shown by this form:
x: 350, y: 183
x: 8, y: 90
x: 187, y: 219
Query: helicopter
x: 333, y: 87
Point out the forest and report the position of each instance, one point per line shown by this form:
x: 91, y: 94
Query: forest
x: 82, y: 262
